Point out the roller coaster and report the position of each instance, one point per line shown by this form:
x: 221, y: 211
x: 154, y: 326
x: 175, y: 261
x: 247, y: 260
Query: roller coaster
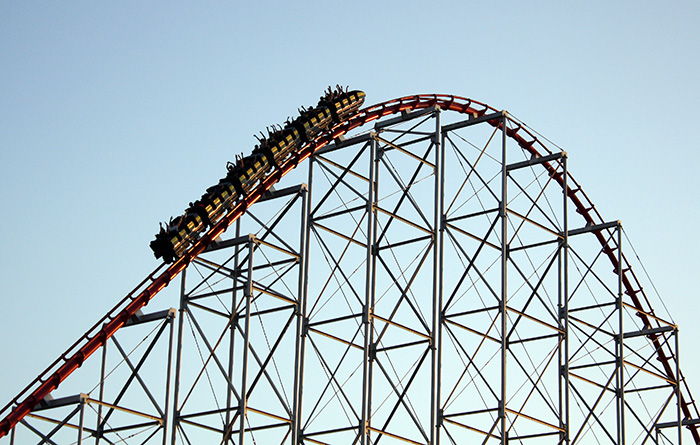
x: 597, y: 344
x: 243, y: 175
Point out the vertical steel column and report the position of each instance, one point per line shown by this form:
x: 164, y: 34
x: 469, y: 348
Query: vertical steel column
x: 438, y: 232
x: 233, y: 322
x: 248, y: 295
x: 679, y: 415
x: 168, y: 379
x: 297, y: 433
x: 564, y: 298
x: 504, y: 281
x: 368, y: 348
x: 619, y: 348
x: 178, y: 358
x: 103, y: 372
x: 81, y: 423
x: 564, y: 312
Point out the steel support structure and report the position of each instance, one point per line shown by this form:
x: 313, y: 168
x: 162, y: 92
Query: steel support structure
x: 413, y: 389
x: 615, y: 366
x: 506, y: 312
x: 426, y: 282
x: 241, y: 344
x: 132, y: 392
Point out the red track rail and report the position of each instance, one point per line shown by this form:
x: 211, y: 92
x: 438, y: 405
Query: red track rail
x: 96, y: 337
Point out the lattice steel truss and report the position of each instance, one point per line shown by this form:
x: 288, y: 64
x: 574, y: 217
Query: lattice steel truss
x: 426, y: 284
x: 125, y: 399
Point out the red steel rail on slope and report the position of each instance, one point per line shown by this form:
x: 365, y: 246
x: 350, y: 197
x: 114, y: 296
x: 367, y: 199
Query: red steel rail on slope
x: 96, y: 337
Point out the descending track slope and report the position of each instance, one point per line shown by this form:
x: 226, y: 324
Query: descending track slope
x: 97, y: 336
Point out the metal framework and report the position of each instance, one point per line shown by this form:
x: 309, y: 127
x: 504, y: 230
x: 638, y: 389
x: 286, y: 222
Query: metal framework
x: 426, y: 281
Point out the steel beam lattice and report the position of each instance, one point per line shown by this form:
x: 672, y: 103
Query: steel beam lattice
x: 424, y: 281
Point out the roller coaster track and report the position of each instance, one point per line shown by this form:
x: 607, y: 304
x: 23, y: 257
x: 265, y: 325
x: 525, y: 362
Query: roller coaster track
x: 97, y: 336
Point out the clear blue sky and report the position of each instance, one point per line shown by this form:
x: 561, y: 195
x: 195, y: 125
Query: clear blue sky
x: 114, y: 115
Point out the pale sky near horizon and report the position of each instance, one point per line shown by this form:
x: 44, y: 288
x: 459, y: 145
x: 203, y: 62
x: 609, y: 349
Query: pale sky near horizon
x: 114, y: 115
